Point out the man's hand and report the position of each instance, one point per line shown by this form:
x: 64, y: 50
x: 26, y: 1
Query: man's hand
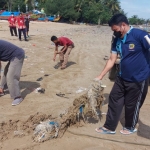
x: 98, y: 78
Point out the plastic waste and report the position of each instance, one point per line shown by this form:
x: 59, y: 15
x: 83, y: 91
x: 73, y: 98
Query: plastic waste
x: 48, y: 129
x: 18, y: 132
x: 39, y: 90
x: 81, y: 89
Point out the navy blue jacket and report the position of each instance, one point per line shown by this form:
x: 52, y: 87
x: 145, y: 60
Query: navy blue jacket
x: 134, y: 51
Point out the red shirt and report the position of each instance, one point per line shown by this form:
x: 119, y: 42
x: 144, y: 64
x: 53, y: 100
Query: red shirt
x: 64, y: 41
x: 21, y: 23
x: 12, y: 21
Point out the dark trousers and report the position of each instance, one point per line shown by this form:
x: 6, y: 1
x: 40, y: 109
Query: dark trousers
x: 24, y: 33
x: 129, y: 95
x: 13, y: 29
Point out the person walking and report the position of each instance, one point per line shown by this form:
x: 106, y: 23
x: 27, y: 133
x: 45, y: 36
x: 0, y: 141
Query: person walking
x: 65, y: 51
x: 131, y: 85
x: 12, y: 24
x: 11, y: 75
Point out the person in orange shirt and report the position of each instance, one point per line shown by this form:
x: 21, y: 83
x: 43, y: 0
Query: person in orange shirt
x: 12, y: 24
x: 21, y: 26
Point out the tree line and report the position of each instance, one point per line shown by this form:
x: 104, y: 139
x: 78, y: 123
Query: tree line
x: 86, y: 11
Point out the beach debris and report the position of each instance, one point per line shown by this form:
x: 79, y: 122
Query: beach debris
x: 81, y: 89
x: 87, y: 105
x: 103, y: 113
x: 40, y: 90
x: 106, y: 58
x: 62, y: 94
x: 46, y: 75
x: 95, y: 97
x: 18, y: 133
x: 39, y: 79
x: 42, y: 71
x: 46, y: 130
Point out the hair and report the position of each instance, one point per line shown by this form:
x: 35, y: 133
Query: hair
x: 12, y: 13
x: 53, y: 38
x: 117, y: 19
x: 20, y: 13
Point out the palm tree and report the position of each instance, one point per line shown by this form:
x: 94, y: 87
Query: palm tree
x: 113, y: 5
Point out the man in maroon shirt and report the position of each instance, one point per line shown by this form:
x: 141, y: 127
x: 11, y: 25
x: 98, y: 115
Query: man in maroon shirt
x: 65, y: 51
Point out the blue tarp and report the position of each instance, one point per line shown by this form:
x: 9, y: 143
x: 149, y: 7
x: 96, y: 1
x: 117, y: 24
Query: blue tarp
x: 8, y: 13
x: 51, y: 18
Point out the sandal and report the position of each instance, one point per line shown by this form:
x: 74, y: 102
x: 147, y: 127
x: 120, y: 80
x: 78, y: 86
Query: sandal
x: 104, y: 131
x: 127, y: 131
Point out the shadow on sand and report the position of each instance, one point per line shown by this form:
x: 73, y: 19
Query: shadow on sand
x: 28, y: 87
x: 70, y: 63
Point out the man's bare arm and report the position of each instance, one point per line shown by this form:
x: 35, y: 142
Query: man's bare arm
x: 110, y: 63
x: 64, y: 48
x: 55, y: 52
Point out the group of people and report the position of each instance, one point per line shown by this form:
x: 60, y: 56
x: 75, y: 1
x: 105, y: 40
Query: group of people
x: 20, y: 22
x: 131, y: 85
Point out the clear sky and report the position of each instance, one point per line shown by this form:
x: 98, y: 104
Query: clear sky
x: 141, y: 8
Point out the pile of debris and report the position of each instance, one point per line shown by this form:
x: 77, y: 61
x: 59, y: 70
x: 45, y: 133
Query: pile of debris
x: 87, y: 105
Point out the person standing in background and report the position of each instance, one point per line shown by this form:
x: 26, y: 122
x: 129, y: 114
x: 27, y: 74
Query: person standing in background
x: 21, y: 26
x: 27, y: 21
x: 12, y: 24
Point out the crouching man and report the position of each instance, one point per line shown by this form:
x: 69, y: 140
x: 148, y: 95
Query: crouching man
x: 11, y: 75
x: 65, y: 51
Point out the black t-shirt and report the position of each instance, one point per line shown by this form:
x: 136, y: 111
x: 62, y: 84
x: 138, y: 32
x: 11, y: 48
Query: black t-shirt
x: 27, y: 21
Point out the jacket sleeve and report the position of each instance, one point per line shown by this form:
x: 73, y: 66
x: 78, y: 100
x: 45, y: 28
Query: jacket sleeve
x: 113, y: 45
x: 145, y: 40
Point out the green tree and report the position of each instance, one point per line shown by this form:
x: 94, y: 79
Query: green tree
x: 65, y: 9
x: 113, y: 5
x: 20, y: 4
x: 3, y: 4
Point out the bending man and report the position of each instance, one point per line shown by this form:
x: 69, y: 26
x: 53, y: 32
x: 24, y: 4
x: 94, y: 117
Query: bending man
x: 65, y: 51
x: 11, y: 75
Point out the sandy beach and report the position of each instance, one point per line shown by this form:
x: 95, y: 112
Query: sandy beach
x: 86, y: 61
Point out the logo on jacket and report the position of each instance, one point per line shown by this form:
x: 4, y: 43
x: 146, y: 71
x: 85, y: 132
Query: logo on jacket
x: 131, y: 46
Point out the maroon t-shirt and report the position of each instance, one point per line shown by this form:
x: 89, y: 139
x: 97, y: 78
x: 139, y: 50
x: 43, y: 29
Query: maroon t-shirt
x: 64, y: 41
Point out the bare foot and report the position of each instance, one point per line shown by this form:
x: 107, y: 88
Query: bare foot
x: 1, y: 91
